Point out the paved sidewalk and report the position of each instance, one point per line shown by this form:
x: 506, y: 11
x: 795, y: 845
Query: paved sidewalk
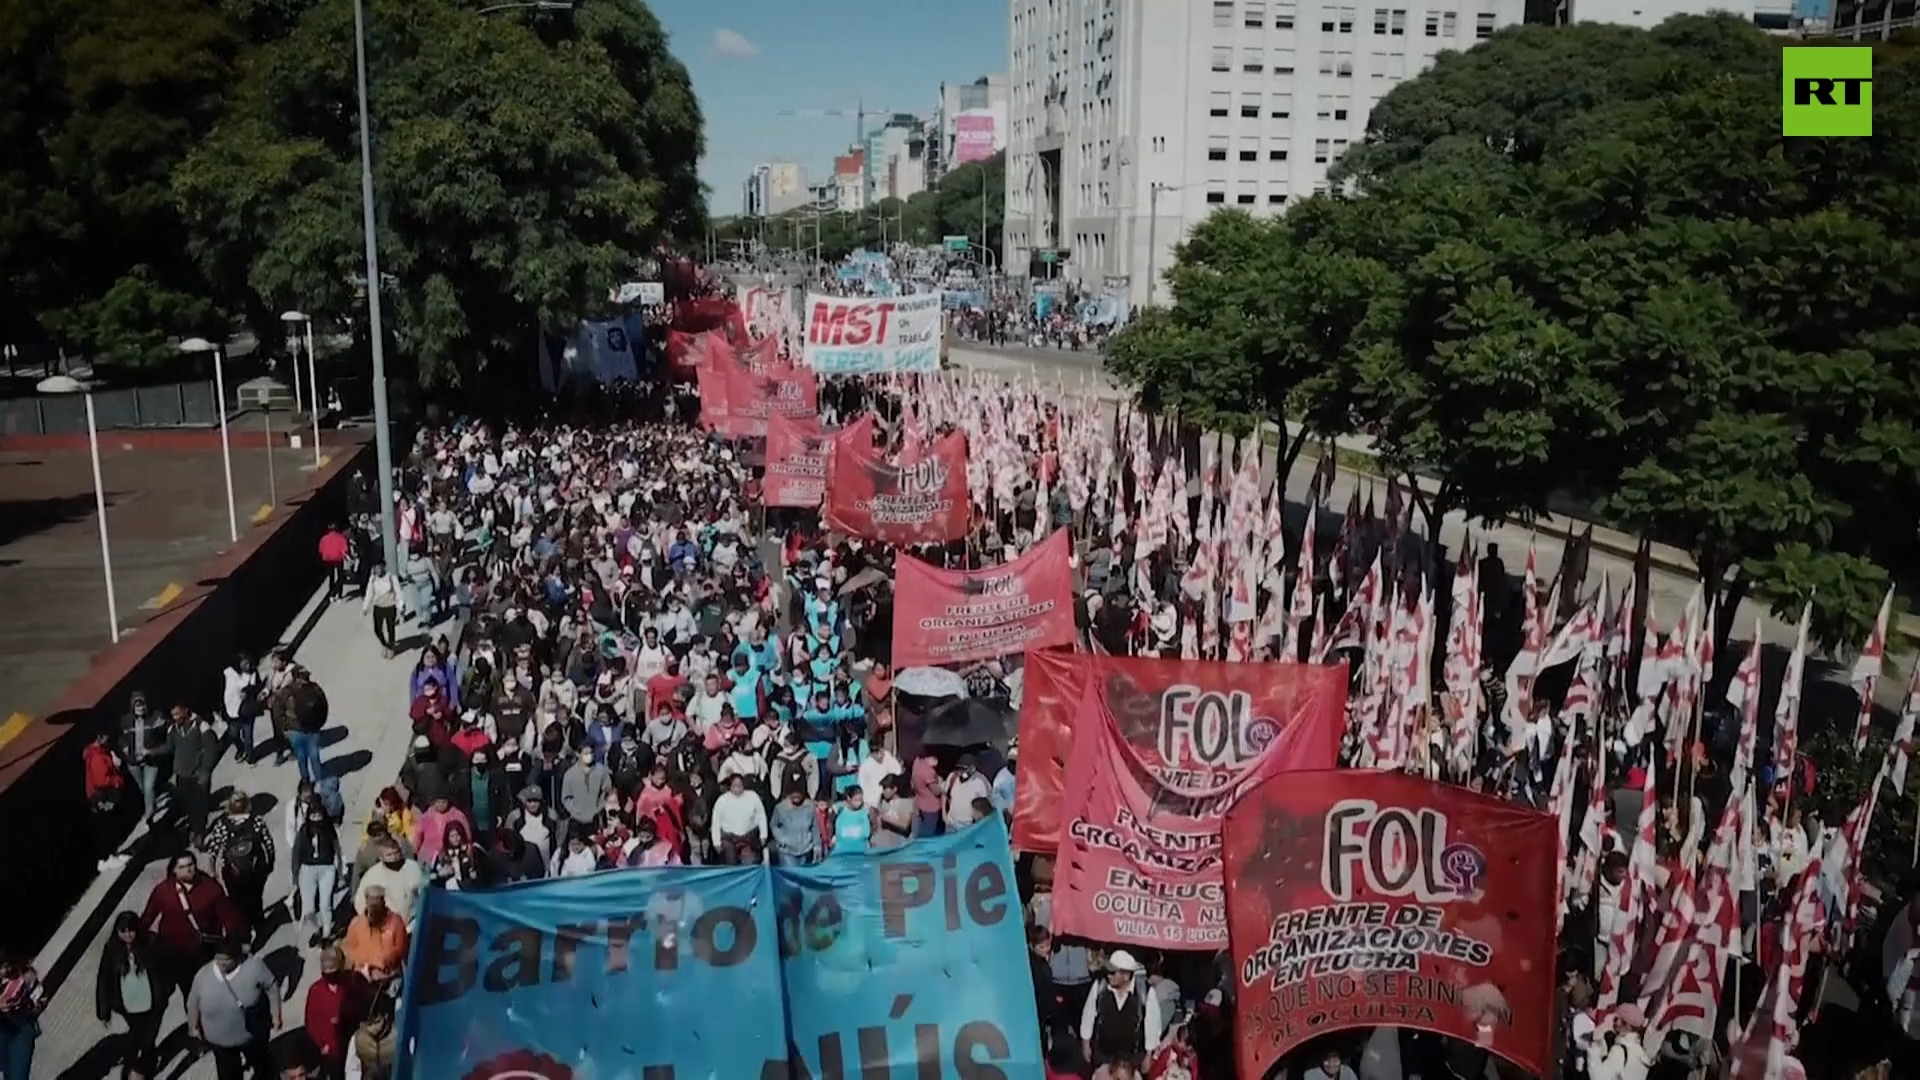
x: 365, y: 742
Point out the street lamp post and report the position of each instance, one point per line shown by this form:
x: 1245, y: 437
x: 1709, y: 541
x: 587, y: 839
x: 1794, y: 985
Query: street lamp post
x: 200, y: 345
x: 382, y: 438
x: 293, y: 319
x: 67, y: 384
x: 1153, y: 229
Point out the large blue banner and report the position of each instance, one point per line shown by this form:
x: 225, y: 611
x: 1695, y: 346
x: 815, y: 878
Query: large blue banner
x: 911, y: 963
x: 906, y: 965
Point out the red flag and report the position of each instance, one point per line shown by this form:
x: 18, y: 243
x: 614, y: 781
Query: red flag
x: 921, y: 503
x: 1360, y: 898
x: 1139, y: 857
x: 953, y: 616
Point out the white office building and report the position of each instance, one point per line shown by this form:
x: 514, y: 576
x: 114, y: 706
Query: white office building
x: 773, y: 187
x: 1241, y: 103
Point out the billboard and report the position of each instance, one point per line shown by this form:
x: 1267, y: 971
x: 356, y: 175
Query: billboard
x: 974, y: 133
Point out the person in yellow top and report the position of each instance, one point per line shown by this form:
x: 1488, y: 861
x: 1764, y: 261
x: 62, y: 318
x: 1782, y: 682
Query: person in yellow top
x: 392, y: 809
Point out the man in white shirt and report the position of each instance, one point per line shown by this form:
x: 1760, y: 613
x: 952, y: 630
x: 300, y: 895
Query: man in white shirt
x: 1119, y: 1023
x: 705, y: 707
x: 650, y: 658
x: 879, y: 762
x: 963, y: 787
x: 399, y: 876
x: 738, y: 814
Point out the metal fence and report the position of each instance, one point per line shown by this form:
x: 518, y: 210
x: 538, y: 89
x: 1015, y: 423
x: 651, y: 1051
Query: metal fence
x: 186, y: 404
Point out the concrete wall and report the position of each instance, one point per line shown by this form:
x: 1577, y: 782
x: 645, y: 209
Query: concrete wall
x: 245, y: 600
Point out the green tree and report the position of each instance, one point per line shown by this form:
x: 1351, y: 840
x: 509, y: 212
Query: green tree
x: 102, y: 101
x: 522, y: 164
x: 1582, y: 259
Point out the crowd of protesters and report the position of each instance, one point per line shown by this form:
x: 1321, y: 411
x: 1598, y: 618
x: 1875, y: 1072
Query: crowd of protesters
x: 642, y: 667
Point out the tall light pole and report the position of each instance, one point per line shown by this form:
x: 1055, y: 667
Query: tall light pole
x: 382, y: 439
x: 67, y: 384
x: 293, y: 319
x: 1153, y: 229
x: 201, y: 345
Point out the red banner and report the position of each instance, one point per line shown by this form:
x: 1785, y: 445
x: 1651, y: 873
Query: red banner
x: 711, y: 380
x: 954, y: 616
x: 1361, y: 899
x: 1157, y: 759
x: 871, y: 497
x: 753, y: 397
x: 797, y: 453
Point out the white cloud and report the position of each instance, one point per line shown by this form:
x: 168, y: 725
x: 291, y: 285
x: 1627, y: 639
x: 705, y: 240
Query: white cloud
x: 734, y: 44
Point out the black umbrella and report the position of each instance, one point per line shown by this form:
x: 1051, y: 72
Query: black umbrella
x: 968, y: 722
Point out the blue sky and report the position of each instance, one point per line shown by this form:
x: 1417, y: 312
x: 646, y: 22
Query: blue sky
x: 752, y: 58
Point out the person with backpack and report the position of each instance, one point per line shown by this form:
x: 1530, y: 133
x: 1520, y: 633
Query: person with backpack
x: 241, y: 846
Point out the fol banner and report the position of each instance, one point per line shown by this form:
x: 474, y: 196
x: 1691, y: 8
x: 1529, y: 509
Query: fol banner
x: 1134, y: 687
x: 753, y: 397
x: 919, y: 502
x: 907, y: 963
x: 955, y: 616
x: 1152, y: 772
x: 1360, y: 899
x: 858, y: 335
x: 797, y: 451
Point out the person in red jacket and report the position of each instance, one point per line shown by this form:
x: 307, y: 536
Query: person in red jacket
x: 333, y: 556
x: 187, y: 912
x: 106, y: 792
x: 336, y: 1003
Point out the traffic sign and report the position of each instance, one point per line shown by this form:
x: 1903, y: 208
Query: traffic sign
x: 954, y: 243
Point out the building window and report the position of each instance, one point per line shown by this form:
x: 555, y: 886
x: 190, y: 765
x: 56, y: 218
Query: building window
x: 1253, y: 61
x: 1249, y: 149
x: 1326, y: 63
x: 1379, y: 65
x: 1276, y: 199
x: 1319, y: 187
x: 1339, y: 147
x: 1217, y: 148
x: 1215, y: 198
x: 1223, y: 14
x: 1246, y: 198
x: 1277, y: 155
x: 1483, y: 25
x: 1222, y: 58
x: 1283, y: 61
x: 1219, y: 103
x: 1343, y: 66
x: 1250, y: 106
x: 1346, y: 20
x: 1283, y: 16
x: 1379, y: 20
x: 1327, y: 24
x: 1254, y: 16
x: 1320, y: 151
x: 1449, y: 24
x: 1433, y: 24
x: 1398, y: 27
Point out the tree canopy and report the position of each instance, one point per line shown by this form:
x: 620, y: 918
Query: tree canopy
x: 1583, y: 260
x: 182, y: 166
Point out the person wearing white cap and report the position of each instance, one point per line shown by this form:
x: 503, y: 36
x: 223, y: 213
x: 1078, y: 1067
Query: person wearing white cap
x: 1119, y: 1023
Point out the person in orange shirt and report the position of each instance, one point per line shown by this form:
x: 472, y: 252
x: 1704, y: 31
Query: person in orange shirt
x: 376, y: 942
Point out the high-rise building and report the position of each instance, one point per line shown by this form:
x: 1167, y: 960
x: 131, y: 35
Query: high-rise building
x: 1132, y: 120
x: 896, y: 158
x: 970, y: 124
x: 850, y: 181
x: 773, y: 187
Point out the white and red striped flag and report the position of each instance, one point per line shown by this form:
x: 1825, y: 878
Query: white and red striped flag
x: 1786, y: 713
x: 1866, y: 671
